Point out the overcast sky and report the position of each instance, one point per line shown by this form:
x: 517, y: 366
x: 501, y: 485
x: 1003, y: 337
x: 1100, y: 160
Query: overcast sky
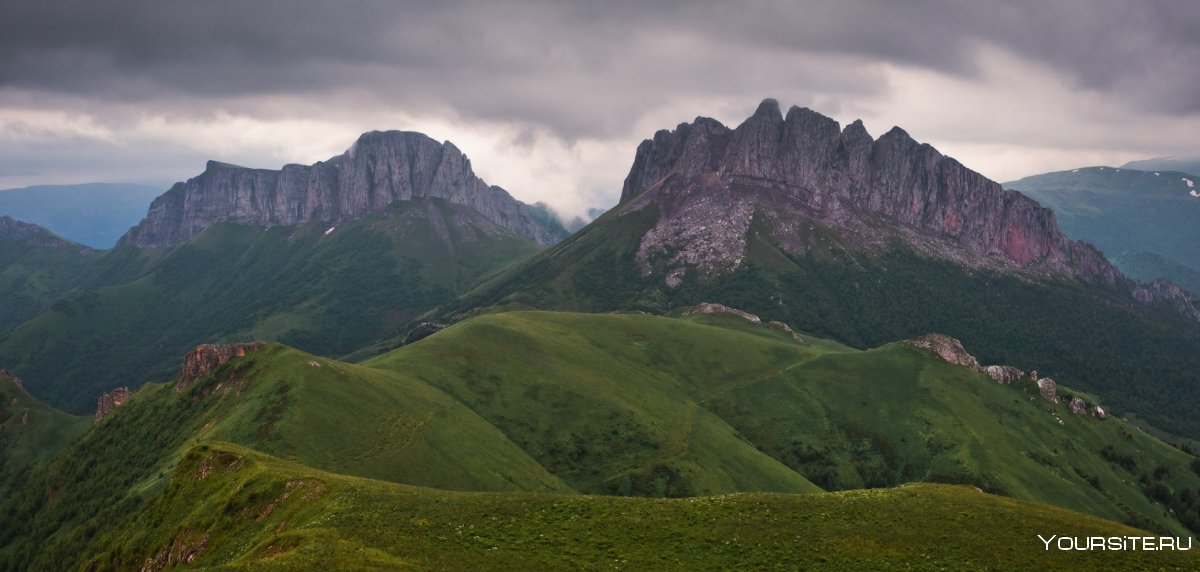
x: 549, y: 99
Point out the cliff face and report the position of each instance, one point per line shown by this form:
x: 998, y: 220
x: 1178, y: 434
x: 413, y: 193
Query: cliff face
x: 206, y: 357
x: 379, y: 169
x: 110, y: 401
x: 709, y: 182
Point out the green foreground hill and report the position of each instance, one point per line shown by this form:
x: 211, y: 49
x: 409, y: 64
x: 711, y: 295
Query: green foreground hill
x: 233, y: 508
x: 537, y: 405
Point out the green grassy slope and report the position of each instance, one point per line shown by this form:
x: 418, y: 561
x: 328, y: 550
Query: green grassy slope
x: 1146, y: 222
x: 621, y: 404
x: 328, y: 292
x: 609, y: 403
x: 649, y: 405
x: 35, y: 271
x: 1139, y: 360
x: 233, y: 508
x: 31, y: 433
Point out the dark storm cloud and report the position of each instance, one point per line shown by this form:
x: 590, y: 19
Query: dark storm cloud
x: 580, y: 69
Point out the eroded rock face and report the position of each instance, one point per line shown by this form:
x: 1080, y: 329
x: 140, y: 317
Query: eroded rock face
x: 947, y: 348
x: 378, y: 170
x: 1003, y: 374
x: 111, y: 400
x: 1048, y: 389
x: 708, y: 182
x: 711, y: 308
x: 1171, y: 294
x: 207, y: 357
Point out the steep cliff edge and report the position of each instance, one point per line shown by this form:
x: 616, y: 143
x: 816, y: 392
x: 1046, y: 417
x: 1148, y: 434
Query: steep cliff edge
x: 709, y: 182
x: 380, y: 168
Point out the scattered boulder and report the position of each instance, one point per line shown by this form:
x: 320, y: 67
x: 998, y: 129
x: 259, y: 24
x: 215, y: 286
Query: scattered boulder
x: 712, y: 308
x: 207, y: 357
x: 1077, y: 406
x: 112, y: 400
x: 1099, y: 412
x: 1003, y: 374
x: 1048, y: 389
x: 946, y: 348
x: 422, y: 331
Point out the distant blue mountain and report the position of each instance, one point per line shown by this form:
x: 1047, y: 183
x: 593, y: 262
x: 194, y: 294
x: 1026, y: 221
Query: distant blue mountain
x: 1184, y: 164
x: 93, y: 214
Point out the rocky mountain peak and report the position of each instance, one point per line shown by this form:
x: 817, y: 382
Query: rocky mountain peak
x: 380, y: 168
x: 709, y: 181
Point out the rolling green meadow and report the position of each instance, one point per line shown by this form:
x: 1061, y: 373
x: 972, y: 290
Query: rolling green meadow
x: 553, y: 440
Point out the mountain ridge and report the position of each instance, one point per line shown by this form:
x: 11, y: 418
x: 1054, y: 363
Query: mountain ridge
x: 380, y: 168
x: 710, y: 181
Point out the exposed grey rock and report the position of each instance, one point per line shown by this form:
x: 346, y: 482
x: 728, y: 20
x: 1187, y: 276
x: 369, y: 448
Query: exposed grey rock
x: 1048, y: 389
x: 947, y: 348
x: 422, y: 331
x: 1171, y: 294
x: 1004, y: 374
x: 1078, y: 406
x: 378, y: 170
x: 786, y: 328
x: 796, y: 171
x: 711, y: 308
x: 1099, y: 412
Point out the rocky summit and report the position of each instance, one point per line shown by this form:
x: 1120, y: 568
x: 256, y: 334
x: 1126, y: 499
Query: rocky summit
x: 802, y: 170
x: 382, y: 167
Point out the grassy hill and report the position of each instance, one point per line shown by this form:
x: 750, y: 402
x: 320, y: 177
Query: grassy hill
x: 326, y: 290
x: 31, y: 433
x: 36, y: 268
x: 262, y: 461
x: 257, y: 512
x: 678, y: 400
x: 1087, y: 336
x: 1147, y: 222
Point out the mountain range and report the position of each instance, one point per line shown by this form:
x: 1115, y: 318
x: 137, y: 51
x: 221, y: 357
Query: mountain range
x: 93, y: 214
x: 1189, y: 165
x: 384, y: 342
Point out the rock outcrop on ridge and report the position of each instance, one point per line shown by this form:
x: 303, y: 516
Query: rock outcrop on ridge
x: 206, y: 357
